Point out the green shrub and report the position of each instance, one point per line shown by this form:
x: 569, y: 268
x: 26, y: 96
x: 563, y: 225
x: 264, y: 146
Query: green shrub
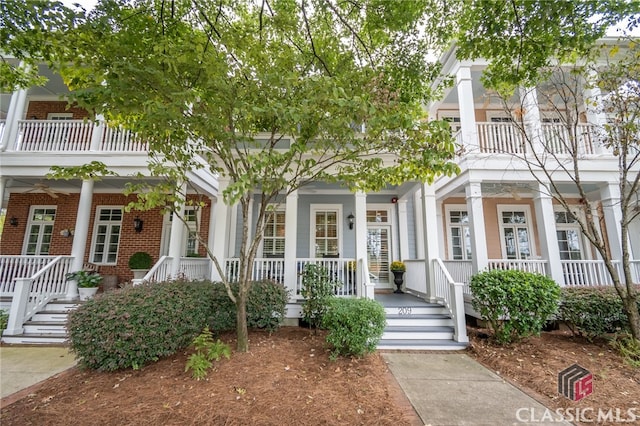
x: 629, y: 349
x: 140, y: 260
x: 516, y: 304
x: 318, y: 289
x: 266, y: 306
x: 354, y: 326
x: 4, y: 320
x: 592, y: 311
x: 136, y: 325
x: 207, y: 351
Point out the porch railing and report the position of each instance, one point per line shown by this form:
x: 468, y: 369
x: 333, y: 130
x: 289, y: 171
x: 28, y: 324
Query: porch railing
x: 120, y: 140
x: 537, y: 266
x: 461, y: 272
x: 34, y: 292
x: 341, y: 270
x: 588, y: 273
x: 450, y: 294
x: 500, y: 138
x: 12, y: 267
x: 191, y: 268
x: 416, y: 276
x: 558, y: 141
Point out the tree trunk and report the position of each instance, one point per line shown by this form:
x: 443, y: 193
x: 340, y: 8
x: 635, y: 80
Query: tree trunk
x: 631, y: 309
x: 241, y: 320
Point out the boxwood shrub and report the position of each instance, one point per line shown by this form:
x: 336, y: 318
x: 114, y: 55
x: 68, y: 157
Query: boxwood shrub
x: 516, y: 304
x: 354, y: 326
x: 266, y: 306
x: 136, y: 325
x: 593, y: 311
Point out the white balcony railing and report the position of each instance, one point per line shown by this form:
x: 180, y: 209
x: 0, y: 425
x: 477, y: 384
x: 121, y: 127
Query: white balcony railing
x: 500, y: 138
x: 537, y: 266
x: 559, y: 141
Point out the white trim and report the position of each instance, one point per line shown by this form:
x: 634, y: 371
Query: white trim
x: 165, y: 238
x: 313, y: 209
x: 447, y: 210
x: 277, y: 207
x: 60, y: 116
x: 96, y: 223
x: 30, y: 222
x: 585, y: 245
x: 392, y: 217
x: 526, y: 209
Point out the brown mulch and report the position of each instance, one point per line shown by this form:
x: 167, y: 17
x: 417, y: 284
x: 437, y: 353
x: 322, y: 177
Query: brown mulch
x: 287, y: 379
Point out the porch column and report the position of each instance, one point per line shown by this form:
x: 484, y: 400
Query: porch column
x: 210, y: 239
x: 420, y: 232
x: 441, y: 230
x: 531, y: 119
x: 177, y: 234
x: 610, y: 197
x: 3, y: 185
x: 595, y: 112
x: 361, y: 241
x: 14, y: 113
x: 546, y: 222
x: 467, y: 111
x: 430, y: 224
x: 81, y: 233
x: 480, y: 258
x: 220, y: 231
x: 98, y: 132
x: 291, y: 243
x: 403, y: 229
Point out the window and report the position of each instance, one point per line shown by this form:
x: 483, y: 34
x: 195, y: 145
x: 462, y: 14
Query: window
x: 515, y: 233
x: 326, y: 231
x: 40, y: 230
x: 273, y: 241
x: 459, y: 233
x: 106, y: 237
x: 569, y: 236
x: 190, y: 236
x: 377, y: 216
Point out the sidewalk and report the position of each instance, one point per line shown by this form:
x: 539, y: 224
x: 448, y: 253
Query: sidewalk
x: 25, y: 366
x: 453, y: 389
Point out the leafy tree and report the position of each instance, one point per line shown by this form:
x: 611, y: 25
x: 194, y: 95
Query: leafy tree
x: 270, y: 94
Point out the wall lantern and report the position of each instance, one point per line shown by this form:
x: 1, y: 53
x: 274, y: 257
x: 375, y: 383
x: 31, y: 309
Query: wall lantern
x: 66, y: 233
x: 350, y: 218
x: 13, y: 221
x: 137, y: 224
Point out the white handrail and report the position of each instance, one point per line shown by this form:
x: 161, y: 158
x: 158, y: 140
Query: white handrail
x: 450, y: 293
x: 12, y: 267
x: 158, y: 272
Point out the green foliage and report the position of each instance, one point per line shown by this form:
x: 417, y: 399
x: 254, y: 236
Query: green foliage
x: 516, y: 304
x: 207, y: 351
x: 629, y: 349
x: 138, y: 324
x: 593, y: 311
x: 85, y: 279
x: 140, y: 260
x: 266, y: 306
x: 4, y: 320
x: 318, y: 289
x: 355, y: 326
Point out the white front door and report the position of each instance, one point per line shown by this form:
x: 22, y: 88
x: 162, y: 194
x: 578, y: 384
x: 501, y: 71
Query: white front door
x: 379, y: 253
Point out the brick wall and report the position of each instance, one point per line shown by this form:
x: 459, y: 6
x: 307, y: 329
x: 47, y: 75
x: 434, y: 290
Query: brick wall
x: 66, y: 209
x: 38, y: 110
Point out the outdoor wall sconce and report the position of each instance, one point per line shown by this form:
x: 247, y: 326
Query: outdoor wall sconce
x: 13, y: 221
x: 66, y: 232
x: 350, y: 218
x: 137, y: 224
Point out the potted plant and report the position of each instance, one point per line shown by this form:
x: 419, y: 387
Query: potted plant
x: 140, y: 262
x: 88, y: 283
x: 398, y: 268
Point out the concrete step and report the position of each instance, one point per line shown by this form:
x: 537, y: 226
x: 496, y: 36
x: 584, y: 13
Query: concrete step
x: 421, y: 345
x: 62, y: 305
x: 424, y: 309
x: 35, y: 339
x: 417, y: 333
x: 51, y: 316
x: 43, y: 327
x: 420, y: 320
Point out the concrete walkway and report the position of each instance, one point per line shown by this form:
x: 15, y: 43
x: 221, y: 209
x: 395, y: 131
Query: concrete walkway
x: 453, y: 389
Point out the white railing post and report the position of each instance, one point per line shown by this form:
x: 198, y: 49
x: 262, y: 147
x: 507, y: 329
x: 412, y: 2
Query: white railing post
x: 290, y: 243
x: 457, y: 309
x: 18, y: 307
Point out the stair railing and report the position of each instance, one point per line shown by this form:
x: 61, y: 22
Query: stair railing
x: 32, y: 293
x: 451, y: 295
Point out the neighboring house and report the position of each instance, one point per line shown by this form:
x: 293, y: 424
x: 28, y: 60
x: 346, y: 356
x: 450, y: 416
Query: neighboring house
x: 492, y: 215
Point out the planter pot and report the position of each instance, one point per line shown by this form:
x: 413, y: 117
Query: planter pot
x: 139, y: 274
x: 398, y: 280
x: 87, y: 293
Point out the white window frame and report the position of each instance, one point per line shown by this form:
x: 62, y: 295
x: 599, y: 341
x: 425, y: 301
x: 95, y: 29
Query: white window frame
x: 192, y: 226
x: 529, y: 225
x: 585, y: 252
x: 60, y: 116
x: 450, y: 116
x: 448, y: 209
x: 31, y: 222
x: 277, y: 208
x: 315, y: 208
x: 491, y: 114
x: 96, y: 223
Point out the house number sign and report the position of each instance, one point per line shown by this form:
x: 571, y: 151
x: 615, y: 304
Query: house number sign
x: 404, y: 310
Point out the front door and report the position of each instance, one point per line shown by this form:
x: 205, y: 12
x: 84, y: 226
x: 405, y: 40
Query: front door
x: 379, y: 253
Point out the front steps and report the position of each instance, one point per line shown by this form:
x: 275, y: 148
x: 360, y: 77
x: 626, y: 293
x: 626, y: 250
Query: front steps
x: 47, y: 327
x: 413, y: 324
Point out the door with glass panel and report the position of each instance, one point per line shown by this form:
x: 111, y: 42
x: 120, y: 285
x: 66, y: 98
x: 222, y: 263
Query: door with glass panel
x: 379, y: 252
x: 40, y: 230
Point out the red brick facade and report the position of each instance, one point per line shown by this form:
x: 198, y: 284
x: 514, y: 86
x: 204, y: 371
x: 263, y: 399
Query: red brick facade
x: 38, y: 110
x: 148, y: 240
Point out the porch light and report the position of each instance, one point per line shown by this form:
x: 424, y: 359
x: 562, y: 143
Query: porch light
x: 137, y: 224
x: 13, y: 221
x: 350, y: 218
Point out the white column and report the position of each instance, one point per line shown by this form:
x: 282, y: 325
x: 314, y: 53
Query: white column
x: 177, y: 234
x: 477, y: 226
x: 403, y: 229
x: 610, y: 197
x: 441, y: 230
x: 546, y: 223
x: 220, y: 231
x: 98, y: 132
x: 81, y: 233
x: 431, y: 249
x: 531, y: 118
x: 3, y: 185
x: 291, y: 243
x: 420, y: 232
x: 15, y: 112
x: 467, y: 109
x: 595, y: 111
x: 360, y: 227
